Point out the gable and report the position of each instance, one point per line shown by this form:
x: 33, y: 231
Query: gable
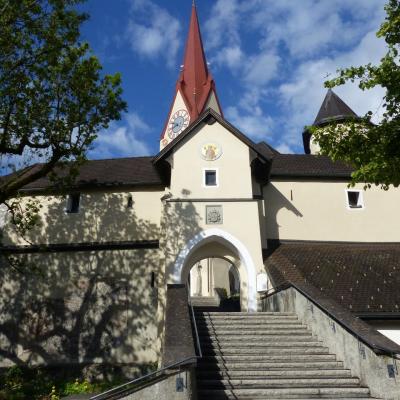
x: 230, y: 158
x: 209, y: 117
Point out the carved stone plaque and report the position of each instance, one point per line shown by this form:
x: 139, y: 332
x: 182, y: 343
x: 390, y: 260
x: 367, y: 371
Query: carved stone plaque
x: 214, y: 215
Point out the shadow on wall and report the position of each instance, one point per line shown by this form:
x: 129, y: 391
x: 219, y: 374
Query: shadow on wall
x: 273, y: 203
x: 90, y: 307
x: 180, y: 223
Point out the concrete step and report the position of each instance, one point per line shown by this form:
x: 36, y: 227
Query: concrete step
x: 207, y: 373
x: 210, y: 364
x: 291, y: 397
x: 269, y: 357
x: 262, y: 382
x: 265, y: 351
x: 256, y: 342
x: 247, y: 318
x: 286, y: 393
x: 265, y: 334
x: 246, y: 314
x: 203, y: 300
x: 261, y: 347
x: 253, y: 322
x: 242, y: 329
x: 231, y: 337
x: 250, y: 324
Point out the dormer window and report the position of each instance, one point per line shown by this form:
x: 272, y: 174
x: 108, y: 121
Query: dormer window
x: 73, y: 201
x: 210, y: 178
x: 354, y: 199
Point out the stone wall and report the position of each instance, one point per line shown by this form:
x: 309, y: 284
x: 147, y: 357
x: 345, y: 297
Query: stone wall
x: 372, y: 369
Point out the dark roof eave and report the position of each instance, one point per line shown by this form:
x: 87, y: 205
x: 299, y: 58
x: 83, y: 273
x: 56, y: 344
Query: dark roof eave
x: 92, y: 186
x: 86, y: 246
x: 299, y: 175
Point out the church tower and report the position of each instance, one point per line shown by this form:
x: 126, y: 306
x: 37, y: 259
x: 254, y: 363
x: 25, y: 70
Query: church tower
x: 195, y: 89
x: 333, y: 110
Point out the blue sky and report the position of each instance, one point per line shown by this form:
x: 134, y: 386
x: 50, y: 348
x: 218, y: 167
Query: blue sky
x: 269, y: 60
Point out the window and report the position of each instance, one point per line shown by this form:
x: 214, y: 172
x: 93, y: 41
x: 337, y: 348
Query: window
x: 129, y: 203
x: 210, y: 178
x: 153, y: 280
x: 73, y: 201
x: 354, y: 199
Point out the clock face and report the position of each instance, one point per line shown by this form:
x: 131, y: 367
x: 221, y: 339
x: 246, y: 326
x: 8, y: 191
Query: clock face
x: 178, y: 122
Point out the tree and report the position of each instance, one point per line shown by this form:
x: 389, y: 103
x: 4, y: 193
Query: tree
x: 373, y: 150
x: 53, y: 96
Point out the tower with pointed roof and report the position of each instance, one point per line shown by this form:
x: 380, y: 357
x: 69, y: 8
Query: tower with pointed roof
x: 195, y: 89
x: 333, y: 110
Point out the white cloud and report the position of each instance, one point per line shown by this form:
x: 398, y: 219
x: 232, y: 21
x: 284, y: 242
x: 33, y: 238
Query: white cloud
x: 231, y: 56
x: 284, y: 148
x: 260, y: 69
x: 302, y: 96
x: 255, y: 125
x: 122, y: 140
x: 308, y: 27
x: 153, y: 32
x: 222, y: 27
x: 288, y: 49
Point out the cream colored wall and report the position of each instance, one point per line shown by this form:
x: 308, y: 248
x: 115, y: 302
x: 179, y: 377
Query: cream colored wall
x: 187, y: 220
x: 221, y: 274
x: 214, y: 274
x: 102, y: 216
x: 82, y: 307
x: 314, y: 146
x: 319, y: 211
x: 234, y: 175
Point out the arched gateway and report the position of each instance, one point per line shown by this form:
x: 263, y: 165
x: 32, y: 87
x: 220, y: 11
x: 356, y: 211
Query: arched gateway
x: 219, y: 243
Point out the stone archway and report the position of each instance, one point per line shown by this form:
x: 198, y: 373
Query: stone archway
x: 210, y: 240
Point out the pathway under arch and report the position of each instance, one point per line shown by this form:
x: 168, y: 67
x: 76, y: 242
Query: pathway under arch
x: 216, y: 242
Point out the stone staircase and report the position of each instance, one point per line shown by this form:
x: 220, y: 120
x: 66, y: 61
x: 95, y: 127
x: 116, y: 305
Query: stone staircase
x: 205, y: 303
x: 267, y: 356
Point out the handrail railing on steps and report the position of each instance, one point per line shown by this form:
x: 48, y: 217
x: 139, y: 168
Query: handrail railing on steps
x: 144, y: 381
x: 200, y: 355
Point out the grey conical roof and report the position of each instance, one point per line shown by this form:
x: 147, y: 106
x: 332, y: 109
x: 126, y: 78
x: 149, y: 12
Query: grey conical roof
x: 333, y: 108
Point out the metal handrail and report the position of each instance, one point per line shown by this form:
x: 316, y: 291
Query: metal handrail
x: 142, y: 378
x: 114, y: 391
x: 196, y: 331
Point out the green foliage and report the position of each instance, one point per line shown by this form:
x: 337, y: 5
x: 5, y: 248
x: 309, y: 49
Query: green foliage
x: 77, y: 387
x: 54, y: 98
x: 19, y: 383
x: 374, y: 150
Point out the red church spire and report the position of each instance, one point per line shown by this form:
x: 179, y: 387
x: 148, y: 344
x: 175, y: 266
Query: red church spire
x: 195, y: 86
x: 195, y: 81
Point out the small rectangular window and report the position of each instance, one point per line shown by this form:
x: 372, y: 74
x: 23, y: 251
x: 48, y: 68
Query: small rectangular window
x: 73, y: 201
x: 129, y: 203
x: 354, y: 199
x: 210, y: 178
